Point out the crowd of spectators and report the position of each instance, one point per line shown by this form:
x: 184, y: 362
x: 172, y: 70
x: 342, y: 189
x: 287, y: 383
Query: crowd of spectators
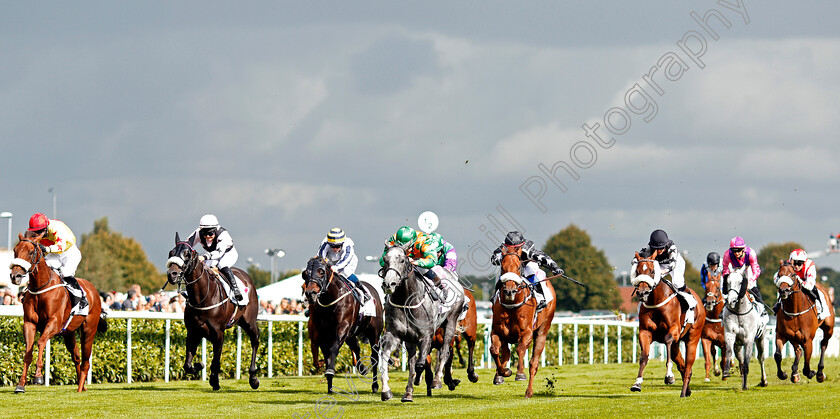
x: 286, y: 306
x: 8, y: 297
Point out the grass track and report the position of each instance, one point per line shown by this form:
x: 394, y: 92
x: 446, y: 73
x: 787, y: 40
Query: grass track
x: 578, y: 391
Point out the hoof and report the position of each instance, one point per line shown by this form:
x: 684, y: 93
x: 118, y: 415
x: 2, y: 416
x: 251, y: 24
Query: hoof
x: 436, y: 385
x: 782, y: 375
x: 329, y: 372
x: 820, y: 377
x: 529, y: 393
x: 197, y: 367
x: 636, y: 387
x: 707, y: 379
x: 795, y: 378
x: 810, y: 374
x: 762, y: 384
x: 521, y: 377
x: 473, y: 378
x: 214, y: 382
x: 407, y: 398
x: 38, y: 381
x: 687, y: 393
x: 717, y: 373
x: 498, y: 379
x: 254, y: 382
x: 362, y: 368
x: 387, y: 395
x: 19, y: 389
x: 669, y: 380
x: 374, y: 388
x: 508, y: 372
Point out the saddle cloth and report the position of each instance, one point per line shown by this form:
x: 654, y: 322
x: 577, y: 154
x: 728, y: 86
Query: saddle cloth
x: 243, y: 289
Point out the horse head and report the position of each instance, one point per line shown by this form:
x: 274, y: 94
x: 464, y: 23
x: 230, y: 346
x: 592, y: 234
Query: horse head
x: 397, y: 267
x: 316, y: 277
x: 511, y: 284
x: 786, y: 279
x: 646, y: 276
x: 181, y: 263
x: 28, y: 254
x: 714, y: 295
x: 737, y: 285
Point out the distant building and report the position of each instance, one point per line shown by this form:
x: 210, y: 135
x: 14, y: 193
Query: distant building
x: 627, y: 304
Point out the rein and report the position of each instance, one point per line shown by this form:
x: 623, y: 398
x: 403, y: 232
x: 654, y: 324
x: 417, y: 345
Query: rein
x: 665, y: 301
x: 794, y: 291
x: 324, y: 288
x: 519, y: 304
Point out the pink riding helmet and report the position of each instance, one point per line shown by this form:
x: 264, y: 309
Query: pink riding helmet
x: 737, y: 242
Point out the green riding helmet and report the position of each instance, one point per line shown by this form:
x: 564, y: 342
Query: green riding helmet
x: 406, y: 235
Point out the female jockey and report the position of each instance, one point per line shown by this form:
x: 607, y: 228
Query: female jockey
x: 710, y: 269
x: 339, y: 250
x: 423, y: 251
x: 806, y: 270
x: 664, y: 251
x: 446, y: 256
x: 532, y: 258
x: 62, y: 254
x: 218, y: 244
x: 741, y: 256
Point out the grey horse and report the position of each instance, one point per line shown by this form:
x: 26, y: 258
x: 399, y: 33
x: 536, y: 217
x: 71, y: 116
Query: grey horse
x: 412, y: 316
x: 743, y: 325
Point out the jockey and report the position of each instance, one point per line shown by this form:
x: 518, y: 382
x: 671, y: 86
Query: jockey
x: 741, y: 256
x: 423, y: 251
x: 219, y: 246
x: 446, y: 256
x: 339, y: 250
x: 710, y: 268
x: 806, y: 270
x: 532, y: 258
x: 62, y: 254
x: 665, y: 252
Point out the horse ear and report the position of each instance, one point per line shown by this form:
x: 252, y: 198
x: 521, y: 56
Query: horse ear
x: 305, y: 275
x: 637, y: 256
x: 177, y: 238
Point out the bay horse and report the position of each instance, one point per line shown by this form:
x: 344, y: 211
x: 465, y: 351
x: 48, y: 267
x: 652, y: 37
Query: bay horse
x: 797, y: 323
x: 337, y: 317
x: 468, y: 328
x: 515, y: 321
x: 712, y: 336
x: 210, y: 311
x: 412, y: 316
x: 744, y: 324
x: 661, y: 319
x: 46, y: 310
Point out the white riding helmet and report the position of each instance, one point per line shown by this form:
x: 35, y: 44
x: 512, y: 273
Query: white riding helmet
x: 798, y: 254
x: 208, y: 221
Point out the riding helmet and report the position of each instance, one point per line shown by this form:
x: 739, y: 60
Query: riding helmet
x: 658, y: 239
x: 798, y: 254
x: 713, y: 259
x: 38, y: 221
x: 405, y: 235
x: 336, y: 237
x: 208, y: 221
x: 514, y: 238
x: 737, y: 243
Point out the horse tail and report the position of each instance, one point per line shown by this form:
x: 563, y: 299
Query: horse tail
x: 102, y: 327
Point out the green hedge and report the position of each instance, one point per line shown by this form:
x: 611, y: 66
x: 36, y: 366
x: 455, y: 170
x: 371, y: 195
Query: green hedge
x: 148, y: 351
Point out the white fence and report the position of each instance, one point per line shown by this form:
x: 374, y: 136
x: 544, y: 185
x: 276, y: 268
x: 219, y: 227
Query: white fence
x: 583, y: 329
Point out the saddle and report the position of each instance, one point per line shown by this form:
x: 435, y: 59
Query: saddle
x: 242, y: 288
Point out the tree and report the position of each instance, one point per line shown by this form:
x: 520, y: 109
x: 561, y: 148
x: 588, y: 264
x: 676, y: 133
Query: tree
x: 113, y: 262
x: 572, y: 249
x: 692, y: 278
x: 768, y: 259
x: 832, y: 280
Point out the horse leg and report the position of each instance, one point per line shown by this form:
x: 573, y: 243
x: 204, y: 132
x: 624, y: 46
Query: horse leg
x: 216, y: 364
x: 373, y: 338
x: 457, y: 349
x: 496, y: 348
x: 534, y: 364
x: 473, y: 377
x: 690, y: 355
x: 780, y: 343
x: 191, y: 345
x: 445, y: 356
x: 451, y: 383
x: 86, y: 340
x: 49, y: 331
x: 670, y: 343
x: 745, y: 360
x: 29, y: 339
x: 253, y: 332
x: 70, y: 344
x: 827, y: 331
x: 761, y: 355
x: 353, y: 344
x: 387, y: 345
x: 808, y: 346
x: 729, y: 338
x: 644, y: 343
x: 707, y: 357
x: 794, y: 376
x: 524, y: 343
x: 411, y: 352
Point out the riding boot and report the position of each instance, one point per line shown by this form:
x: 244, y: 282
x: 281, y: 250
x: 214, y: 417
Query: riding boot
x: 757, y: 294
x: 433, y: 276
x: 538, y: 294
x: 232, y: 282
x: 75, y: 298
x: 777, y: 306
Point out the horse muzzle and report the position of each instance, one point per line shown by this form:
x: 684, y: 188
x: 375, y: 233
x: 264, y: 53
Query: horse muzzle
x: 17, y: 279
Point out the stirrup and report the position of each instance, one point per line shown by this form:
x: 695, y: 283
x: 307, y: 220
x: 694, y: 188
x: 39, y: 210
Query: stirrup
x: 541, y: 305
x: 237, y: 295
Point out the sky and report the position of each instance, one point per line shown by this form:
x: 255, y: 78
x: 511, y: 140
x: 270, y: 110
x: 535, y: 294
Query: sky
x: 285, y: 119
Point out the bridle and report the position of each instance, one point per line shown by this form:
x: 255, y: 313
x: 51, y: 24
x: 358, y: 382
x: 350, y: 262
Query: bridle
x: 323, y: 282
x: 795, y: 287
x: 652, y: 287
x: 187, y: 269
x: 29, y: 266
x: 401, y: 277
x: 715, y: 297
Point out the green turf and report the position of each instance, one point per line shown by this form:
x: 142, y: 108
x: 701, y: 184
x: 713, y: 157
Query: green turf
x: 568, y: 391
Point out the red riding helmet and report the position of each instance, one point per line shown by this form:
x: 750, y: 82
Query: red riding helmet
x: 38, y: 222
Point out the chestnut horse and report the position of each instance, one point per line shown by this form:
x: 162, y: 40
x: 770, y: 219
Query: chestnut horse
x: 46, y: 309
x: 712, y: 336
x: 336, y: 316
x: 797, y: 323
x: 515, y: 322
x: 661, y: 319
x: 469, y: 330
x: 210, y: 311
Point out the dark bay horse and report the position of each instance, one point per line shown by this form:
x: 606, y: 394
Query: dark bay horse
x: 515, y: 322
x: 336, y: 315
x: 412, y: 316
x: 661, y: 319
x: 797, y: 323
x: 713, y: 336
x: 210, y: 311
x: 46, y: 310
